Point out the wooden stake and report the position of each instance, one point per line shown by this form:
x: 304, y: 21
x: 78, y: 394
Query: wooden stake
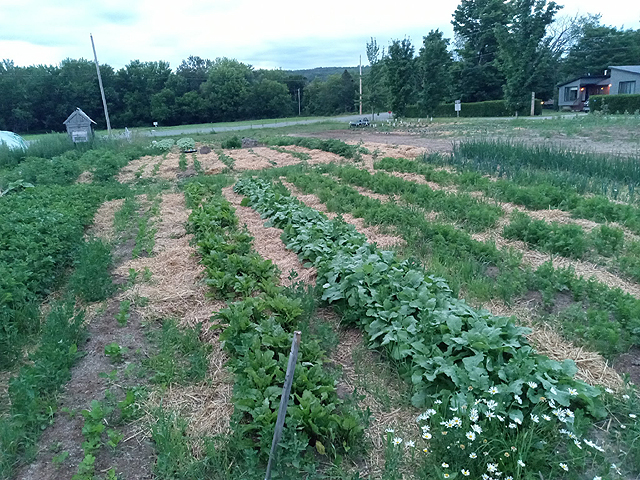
x: 284, y: 400
x: 533, y: 103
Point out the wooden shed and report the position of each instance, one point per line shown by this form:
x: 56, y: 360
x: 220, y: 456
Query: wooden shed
x: 79, y: 126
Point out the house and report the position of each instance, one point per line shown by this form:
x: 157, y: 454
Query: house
x: 623, y: 79
x: 79, y: 126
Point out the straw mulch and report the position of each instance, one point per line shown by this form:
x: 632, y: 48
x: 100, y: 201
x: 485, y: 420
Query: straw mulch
x: 592, y: 367
x: 169, y: 166
x: 103, y: 220
x: 395, y: 151
x: 268, y: 244
x: 85, y: 177
x: 373, y: 234
x: 400, y: 418
x: 177, y: 288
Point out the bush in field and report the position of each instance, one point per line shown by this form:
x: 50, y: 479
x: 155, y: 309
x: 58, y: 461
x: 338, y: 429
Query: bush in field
x: 233, y: 142
x: 163, y: 145
x: 62, y: 170
x: 615, y: 103
x: 186, y: 143
x: 91, y: 279
x: 106, y: 163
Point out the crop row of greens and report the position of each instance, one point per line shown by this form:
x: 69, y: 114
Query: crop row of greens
x: 536, y: 194
x: 327, y: 145
x: 258, y: 331
x: 603, y: 318
x: 448, y: 350
x: 470, y: 213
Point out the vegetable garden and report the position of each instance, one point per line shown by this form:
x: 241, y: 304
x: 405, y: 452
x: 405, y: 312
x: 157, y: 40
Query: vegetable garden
x: 496, y: 243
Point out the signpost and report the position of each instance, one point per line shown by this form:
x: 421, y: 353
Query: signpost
x: 458, y: 107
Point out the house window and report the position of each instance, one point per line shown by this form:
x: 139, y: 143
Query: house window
x: 627, y: 87
x: 570, y: 94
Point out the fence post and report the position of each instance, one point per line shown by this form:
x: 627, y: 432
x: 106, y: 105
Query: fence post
x: 284, y: 400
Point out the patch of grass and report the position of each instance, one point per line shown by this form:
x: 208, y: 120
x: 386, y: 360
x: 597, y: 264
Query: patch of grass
x: 91, y: 279
x: 123, y: 218
x: 299, y: 155
x: 181, y: 356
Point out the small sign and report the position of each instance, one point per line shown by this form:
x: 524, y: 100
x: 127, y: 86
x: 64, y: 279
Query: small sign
x: 458, y: 106
x: 79, y: 136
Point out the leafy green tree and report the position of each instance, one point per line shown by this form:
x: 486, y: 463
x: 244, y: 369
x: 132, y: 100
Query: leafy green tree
x: 269, y: 99
x: 227, y: 89
x: 477, y: 75
x: 434, y: 71
x: 599, y: 47
x: 375, y: 94
x: 522, y: 49
x: 399, y: 73
x: 163, y: 108
x: 347, y: 94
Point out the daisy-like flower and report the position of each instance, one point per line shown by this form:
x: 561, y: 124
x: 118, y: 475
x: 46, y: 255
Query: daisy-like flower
x: 430, y: 411
x: 547, y: 418
x: 397, y: 441
x: 564, y: 467
x: 589, y: 443
x: 492, y: 404
x: 632, y: 415
x: 493, y: 390
x: 623, y: 427
x: 513, y: 425
x: 448, y: 423
x: 506, y: 454
x: 438, y: 402
x: 577, y: 444
x: 421, y: 418
x: 445, y: 465
x: 625, y: 396
x: 444, y: 432
x: 476, y: 428
x: 473, y: 455
x: 477, y: 401
x: 500, y: 417
x: 552, y: 404
x: 471, y: 436
x: 485, y: 477
x: 490, y: 415
x: 568, y: 413
x: 521, y: 464
x: 473, y: 415
x: 535, y: 418
x: 427, y: 436
x: 608, y: 390
x: 517, y: 420
x: 532, y: 384
x: 513, y: 449
x: 509, y: 478
x: 410, y: 443
x: 425, y: 450
x: 456, y: 422
x: 470, y: 388
x: 492, y: 467
x: 390, y: 430
x: 466, y: 473
x: 518, y: 399
x: 572, y: 391
x: 446, y: 475
x: 425, y: 428
x: 597, y: 478
x: 462, y: 447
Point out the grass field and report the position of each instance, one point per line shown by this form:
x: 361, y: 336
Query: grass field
x: 467, y: 310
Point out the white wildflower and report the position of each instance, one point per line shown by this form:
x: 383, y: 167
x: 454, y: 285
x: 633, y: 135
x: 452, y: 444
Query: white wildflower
x: 535, y: 418
x: 532, y: 384
x: 547, y: 418
x: 466, y: 473
x: 608, y: 390
x: 473, y: 455
x: 492, y: 467
x: 493, y: 390
x: 492, y: 404
x: 397, y: 441
x: 445, y: 465
x: 410, y: 443
x: 513, y: 425
x: 426, y: 436
x: 518, y: 399
x: 476, y: 428
x: 521, y: 463
x: 577, y: 444
x: 572, y: 391
x: 564, y: 467
x: 471, y: 436
x: 390, y: 430
x: 632, y: 415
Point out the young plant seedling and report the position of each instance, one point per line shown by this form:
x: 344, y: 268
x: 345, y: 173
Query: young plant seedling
x: 114, y: 351
x: 123, y: 314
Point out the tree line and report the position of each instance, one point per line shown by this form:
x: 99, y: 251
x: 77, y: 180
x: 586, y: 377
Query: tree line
x: 500, y: 50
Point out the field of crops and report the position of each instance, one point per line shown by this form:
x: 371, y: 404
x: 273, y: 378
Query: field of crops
x: 473, y: 314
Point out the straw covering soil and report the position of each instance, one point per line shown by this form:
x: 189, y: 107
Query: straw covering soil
x: 103, y: 220
x: 268, y: 244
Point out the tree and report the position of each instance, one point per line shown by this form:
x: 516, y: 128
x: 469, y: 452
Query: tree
x: 434, y: 71
x: 347, y: 93
x: 522, y: 51
x: 227, y: 89
x: 399, y: 73
x: 474, y: 23
x: 269, y: 99
x: 375, y: 93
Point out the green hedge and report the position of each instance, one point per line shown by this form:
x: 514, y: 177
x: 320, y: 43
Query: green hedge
x: 615, y: 103
x: 492, y: 108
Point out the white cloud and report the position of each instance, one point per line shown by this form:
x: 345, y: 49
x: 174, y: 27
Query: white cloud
x: 264, y: 33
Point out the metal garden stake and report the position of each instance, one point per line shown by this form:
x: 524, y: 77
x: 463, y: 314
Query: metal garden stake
x: 284, y: 400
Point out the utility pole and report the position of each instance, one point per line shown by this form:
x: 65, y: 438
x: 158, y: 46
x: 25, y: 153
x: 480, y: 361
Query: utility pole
x: 533, y: 103
x: 298, y: 101
x: 360, y: 84
x: 104, y: 100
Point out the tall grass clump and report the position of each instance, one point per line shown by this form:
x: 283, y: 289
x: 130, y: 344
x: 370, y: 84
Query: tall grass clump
x: 48, y: 146
x: 91, y: 279
x: 584, y: 172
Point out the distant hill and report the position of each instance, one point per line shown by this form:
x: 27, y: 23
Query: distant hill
x: 322, y: 73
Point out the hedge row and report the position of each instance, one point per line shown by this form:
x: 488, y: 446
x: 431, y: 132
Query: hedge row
x: 492, y: 108
x: 615, y: 103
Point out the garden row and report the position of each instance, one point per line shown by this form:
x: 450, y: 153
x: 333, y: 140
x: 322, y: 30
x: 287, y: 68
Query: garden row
x: 258, y: 331
x: 478, y: 365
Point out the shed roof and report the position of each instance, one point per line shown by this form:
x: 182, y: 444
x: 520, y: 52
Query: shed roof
x: 628, y: 68
x: 78, y: 111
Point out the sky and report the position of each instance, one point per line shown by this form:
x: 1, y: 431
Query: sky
x: 262, y: 33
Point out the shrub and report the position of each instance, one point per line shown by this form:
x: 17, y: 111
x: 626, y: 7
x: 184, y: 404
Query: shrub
x: 233, y: 142
x: 491, y: 108
x: 186, y: 143
x: 615, y: 103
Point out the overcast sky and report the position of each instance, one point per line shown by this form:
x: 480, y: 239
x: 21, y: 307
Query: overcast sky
x: 263, y: 33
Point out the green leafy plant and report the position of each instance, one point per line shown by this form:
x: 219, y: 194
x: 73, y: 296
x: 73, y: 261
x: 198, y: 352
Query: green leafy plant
x: 182, y: 162
x: 186, y: 143
x: 232, y: 142
x: 114, y: 351
x: 123, y: 314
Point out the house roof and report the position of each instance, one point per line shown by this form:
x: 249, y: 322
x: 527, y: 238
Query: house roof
x: 78, y: 111
x: 628, y: 68
x: 587, y: 80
